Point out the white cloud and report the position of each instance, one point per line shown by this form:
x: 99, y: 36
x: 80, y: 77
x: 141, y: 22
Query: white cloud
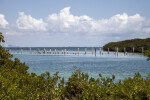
x: 27, y: 22
x: 78, y: 30
x: 66, y: 22
x: 121, y: 24
x: 117, y: 24
x: 3, y: 22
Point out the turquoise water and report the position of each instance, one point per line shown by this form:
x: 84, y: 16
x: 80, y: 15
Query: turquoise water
x: 123, y: 66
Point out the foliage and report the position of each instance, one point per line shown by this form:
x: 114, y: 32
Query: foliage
x: 129, y: 44
x: 1, y: 38
x: 17, y: 84
x: 147, y: 53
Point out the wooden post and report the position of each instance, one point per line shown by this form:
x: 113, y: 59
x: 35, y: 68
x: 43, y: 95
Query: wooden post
x: 73, y: 51
x: 142, y: 49
x: 100, y: 51
x: 95, y: 51
x: 44, y: 51
x: 78, y: 51
x: 133, y: 50
x: 64, y: 51
x: 55, y: 51
x: 38, y: 50
x: 124, y: 51
x: 108, y: 50
x: 92, y: 51
x: 117, y: 51
x: 50, y: 51
x: 85, y: 51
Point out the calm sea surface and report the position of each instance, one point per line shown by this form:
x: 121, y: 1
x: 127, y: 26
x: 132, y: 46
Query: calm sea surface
x: 123, y: 66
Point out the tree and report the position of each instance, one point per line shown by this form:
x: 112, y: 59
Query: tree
x: 4, y: 55
x: 1, y: 38
x: 147, y: 53
x: 138, y: 44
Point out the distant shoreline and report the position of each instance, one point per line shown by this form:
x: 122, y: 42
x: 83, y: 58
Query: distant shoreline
x: 133, y: 45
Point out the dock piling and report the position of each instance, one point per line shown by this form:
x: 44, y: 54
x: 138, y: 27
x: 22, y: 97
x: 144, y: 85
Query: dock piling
x: 124, y: 51
x: 44, y: 51
x: 95, y: 51
x: 65, y: 51
x: 55, y: 51
x: 117, y: 51
x: 50, y: 51
x: 85, y: 51
x: 142, y: 49
x: 100, y: 51
x: 73, y: 51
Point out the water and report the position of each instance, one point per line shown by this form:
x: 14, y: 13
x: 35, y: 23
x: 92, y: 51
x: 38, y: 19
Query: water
x: 122, y: 66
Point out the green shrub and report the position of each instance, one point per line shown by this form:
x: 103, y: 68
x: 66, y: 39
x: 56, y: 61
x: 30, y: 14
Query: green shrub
x: 147, y: 53
x: 17, y: 84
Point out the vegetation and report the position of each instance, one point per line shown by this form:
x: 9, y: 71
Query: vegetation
x: 17, y: 84
x: 147, y: 53
x: 1, y: 38
x: 129, y: 44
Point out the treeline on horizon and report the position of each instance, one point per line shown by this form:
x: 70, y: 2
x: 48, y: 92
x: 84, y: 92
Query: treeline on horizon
x: 16, y: 83
x: 137, y: 44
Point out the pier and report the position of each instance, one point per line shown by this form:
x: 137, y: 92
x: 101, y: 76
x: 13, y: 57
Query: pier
x: 76, y: 51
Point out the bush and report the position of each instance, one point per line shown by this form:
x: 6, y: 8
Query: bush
x: 16, y: 83
x: 147, y: 53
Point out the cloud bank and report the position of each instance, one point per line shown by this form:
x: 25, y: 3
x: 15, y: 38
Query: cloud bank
x: 30, y: 23
x: 3, y: 22
x: 64, y: 21
x: 117, y: 27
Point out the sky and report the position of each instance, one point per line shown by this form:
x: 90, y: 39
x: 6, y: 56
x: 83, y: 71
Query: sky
x: 75, y: 23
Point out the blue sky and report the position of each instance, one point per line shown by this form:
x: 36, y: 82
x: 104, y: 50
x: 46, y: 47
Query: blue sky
x: 73, y: 22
